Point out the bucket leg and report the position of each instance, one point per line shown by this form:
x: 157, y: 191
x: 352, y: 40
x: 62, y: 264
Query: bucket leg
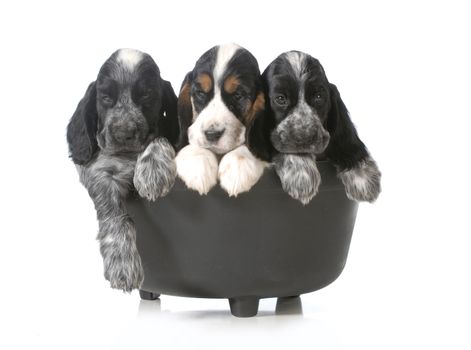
x: 148, y: 295
x: 244, y: 306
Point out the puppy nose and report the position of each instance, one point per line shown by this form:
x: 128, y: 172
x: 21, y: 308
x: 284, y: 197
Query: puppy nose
x: 212, y: 135
x: 124, y: 133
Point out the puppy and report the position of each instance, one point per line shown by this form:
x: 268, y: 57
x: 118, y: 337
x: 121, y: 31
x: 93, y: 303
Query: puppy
x: 117, y: 137
x: 307, y: 119
x: 219, y: 101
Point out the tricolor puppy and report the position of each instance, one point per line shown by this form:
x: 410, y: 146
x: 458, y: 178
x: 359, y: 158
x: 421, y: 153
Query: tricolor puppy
x: 219, y: 102
x: 307, y: 119
x: 117, y: 137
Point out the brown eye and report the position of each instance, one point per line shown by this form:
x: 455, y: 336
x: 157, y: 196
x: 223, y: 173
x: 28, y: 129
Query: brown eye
x: 238, y: 96
x: 281, y: 100
x: 318, y: 98
x: 146, y: 95
x: 200, y: 94
x: 107, y: 99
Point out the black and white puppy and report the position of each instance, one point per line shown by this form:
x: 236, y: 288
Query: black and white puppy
x: 306, y: 120
x: 118, y: 136
x: 218, y: 103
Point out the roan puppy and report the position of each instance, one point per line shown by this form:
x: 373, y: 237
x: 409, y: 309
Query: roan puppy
x: 306, y: 119
x: 119, y: 136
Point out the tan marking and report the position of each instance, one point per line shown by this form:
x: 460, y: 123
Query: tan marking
x: 205, y: 82
x: 257, y: 106
x: 231, y: 84
x: 185, y: 112
x: 184, y: 96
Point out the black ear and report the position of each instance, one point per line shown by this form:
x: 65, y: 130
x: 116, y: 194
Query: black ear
x: 168, y: 120
x: 185, y: 111
x: 345, y: 147
x: 262, y: 124
x: 259, y: 125
x: 82, y: 128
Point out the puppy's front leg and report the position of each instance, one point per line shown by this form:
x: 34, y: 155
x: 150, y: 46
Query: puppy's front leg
x: 155, y: 170
x: 362, y: 181
x: 239, y: 170
x: 299, y: 175
x: 108, y: 181
x: 197, y: 167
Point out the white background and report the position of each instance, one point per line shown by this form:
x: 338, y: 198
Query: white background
x: 403, y: 69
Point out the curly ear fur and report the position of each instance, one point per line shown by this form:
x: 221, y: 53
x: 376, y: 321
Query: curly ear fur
x: 82, y: 128
x: 260, y: 126
x: 185, y: 111
x: 168, y: 119
x: 345, y: 147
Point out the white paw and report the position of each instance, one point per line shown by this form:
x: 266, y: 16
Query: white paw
x: 363, y: 182
x: 155, y: 170
x: 198, y: 168
x: 239, y: 170
x: 299, y: 175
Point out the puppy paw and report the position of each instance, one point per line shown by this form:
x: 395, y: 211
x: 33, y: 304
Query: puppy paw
x: 197, y: 167
x: 299, y: 175
x: 362, y: 182
x: 121, y: 260
x: 155, y: 170
x: 123, y: 268
x: 239, y: 170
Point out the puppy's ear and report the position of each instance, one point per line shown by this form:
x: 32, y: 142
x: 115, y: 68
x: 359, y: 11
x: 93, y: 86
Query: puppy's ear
x: 185, y: 110
x: 345, y: 147
x: 259, y: 124
x: 82, y: 128
x: 168, y: 120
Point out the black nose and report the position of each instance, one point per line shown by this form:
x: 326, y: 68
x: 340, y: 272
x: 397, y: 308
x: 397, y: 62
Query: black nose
x: 124, y: 133
x: 213, y: 135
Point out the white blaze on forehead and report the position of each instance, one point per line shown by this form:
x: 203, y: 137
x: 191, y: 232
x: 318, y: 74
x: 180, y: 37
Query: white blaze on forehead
x: 225, y: 53
x: 129, y: 57
x: 297, y: 61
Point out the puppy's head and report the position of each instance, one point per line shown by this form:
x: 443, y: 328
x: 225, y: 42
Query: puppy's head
x: 220, y: 98
x: 299, y: 96
x: 126, y: 105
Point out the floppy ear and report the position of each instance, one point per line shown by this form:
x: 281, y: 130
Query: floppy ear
x: 345, y: 148
x: 259, y: 124
x: 168, y: 121
x: 82, y: 128
x: 185, y: 111
x: 262, y: 123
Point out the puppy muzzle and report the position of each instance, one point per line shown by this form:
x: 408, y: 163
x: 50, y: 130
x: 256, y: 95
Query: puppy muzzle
x: 298, y: 134
x: 125, y: 130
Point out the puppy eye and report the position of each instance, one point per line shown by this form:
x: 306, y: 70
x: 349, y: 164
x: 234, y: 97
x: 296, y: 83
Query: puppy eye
x: 318, y: 98
x: 200, y: 94
x: 281, y: 100
x: 107, y: 99
x: 147, y: 95
x: 238, y: 96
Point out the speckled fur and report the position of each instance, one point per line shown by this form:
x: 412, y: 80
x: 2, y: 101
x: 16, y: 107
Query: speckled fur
x: 299, y: 175
x: 108, y: 180
x: 362, y: 182
x: 121, y: 113
x: 156, y: 170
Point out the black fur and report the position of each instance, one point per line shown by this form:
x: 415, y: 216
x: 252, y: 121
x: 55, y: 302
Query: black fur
x: 82, y: 129
x: 345, y: 148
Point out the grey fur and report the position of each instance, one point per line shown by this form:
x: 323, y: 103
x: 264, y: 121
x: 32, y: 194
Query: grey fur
x: 301, y: 131
x: 363, y: 182
x: 156, y: 170
x: 299, y: 175
x: 108, y: 180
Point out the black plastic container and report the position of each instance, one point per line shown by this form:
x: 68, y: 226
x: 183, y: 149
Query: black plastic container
x: 261, y: 244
